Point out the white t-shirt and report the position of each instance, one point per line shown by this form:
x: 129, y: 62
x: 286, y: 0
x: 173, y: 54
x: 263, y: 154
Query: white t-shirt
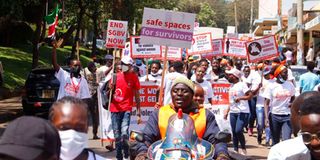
x: 76, y: 87
x: 206, y: 77
x: 310, y: 55
x: 151, y: 79
x: 238, y: 90
x: 318, y: 61
x: 142, y: 70
x: 260, y: 97
x: 168, y: 82
x: 98, y: 157
x: 280, y: 95
x: 254, y: 79
x: 291, y: 149
x: 316, y: 88
x: 288, y: 55
x: 208, y: 92
x: 101, y: 73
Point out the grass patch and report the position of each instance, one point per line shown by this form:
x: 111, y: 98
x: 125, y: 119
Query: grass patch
x: 17, y: 62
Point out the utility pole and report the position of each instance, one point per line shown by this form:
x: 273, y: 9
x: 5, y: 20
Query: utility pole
x: 251, y: 17
x: 300, y: 47
x: 235, y: 16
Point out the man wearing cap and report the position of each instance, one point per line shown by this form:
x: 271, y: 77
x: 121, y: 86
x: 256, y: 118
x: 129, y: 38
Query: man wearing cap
x: 182, y: 94
x: 30, y: 138
x: 126, y: 87
x: 91, y: 77
x: 71, y: 84
x: 105, y: 70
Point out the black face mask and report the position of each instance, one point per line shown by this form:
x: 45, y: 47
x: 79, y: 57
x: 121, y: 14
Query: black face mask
x: 75, y: 71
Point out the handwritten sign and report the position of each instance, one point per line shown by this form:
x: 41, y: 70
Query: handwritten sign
x: 116, y: 34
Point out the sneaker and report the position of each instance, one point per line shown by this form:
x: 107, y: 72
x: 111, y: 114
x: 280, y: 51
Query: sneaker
x: 110, y: 148
x: 259, y: 139
x: 95, y: 137
x: 268, y: 145
x: 250, y: 131
x: 243, y: 152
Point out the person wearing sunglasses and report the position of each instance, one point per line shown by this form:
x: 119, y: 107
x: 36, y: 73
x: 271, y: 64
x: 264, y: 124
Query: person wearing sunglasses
x: 307, y: 145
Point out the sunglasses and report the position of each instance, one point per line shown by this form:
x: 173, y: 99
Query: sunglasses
x: 308, y: 137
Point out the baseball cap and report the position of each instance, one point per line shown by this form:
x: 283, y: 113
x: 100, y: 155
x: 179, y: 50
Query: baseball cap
x: 267, y: 70
x: 127, y: 60
x: 184, y: 80
x: 108, y: 57
x: 28, y: 137
x: 234, y: 72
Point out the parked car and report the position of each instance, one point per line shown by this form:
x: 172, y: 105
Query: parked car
x: 297, y: 71
x: 40, y: 91
x: 100, y: 44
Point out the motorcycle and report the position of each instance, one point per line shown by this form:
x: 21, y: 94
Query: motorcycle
x: 181, y: 141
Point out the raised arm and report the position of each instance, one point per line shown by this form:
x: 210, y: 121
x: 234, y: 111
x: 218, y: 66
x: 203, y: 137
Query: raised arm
x: 54, y: 56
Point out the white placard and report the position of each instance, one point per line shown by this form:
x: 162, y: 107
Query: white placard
x: 217, y: 48
x: 116, y: 34
x: 234, y: 47
x: 138, y: 50
x: 168, y: 28
x: 201, y: 44
x: 262, y: 49
x: 174, y: 53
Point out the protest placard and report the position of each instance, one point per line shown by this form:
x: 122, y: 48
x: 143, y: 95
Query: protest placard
x: 201, y: 44
x: 174, y: 54
x: 168, y: 28
x: 116, y: 34
x: 148, y: 99
x: 262, y: 49
x: 138, y: 50
x: 217, y: 49
x: 221, y: 93
x: 234, y: 47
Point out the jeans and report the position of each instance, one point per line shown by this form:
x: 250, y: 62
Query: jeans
x: 260, y: 121
x: 238, y: 121
x: 252, y: 105
x: 280, y: 124
x: 120, y: 126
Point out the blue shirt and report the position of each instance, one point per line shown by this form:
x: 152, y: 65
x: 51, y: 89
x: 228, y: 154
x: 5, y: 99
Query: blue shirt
x: 307, y: 81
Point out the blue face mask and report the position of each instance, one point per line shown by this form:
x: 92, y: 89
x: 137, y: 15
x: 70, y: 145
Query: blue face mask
x: 192, y: 72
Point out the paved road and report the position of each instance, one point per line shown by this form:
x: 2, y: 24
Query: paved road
x: 11, y: 108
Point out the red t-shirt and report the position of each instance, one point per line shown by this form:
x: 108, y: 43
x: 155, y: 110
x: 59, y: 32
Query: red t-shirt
x: 126, y: 85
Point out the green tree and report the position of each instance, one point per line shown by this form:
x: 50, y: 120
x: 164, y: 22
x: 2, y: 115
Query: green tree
x: 206, y: 15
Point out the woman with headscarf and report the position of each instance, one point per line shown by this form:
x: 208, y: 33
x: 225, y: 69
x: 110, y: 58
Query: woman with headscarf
x: 279, y: 96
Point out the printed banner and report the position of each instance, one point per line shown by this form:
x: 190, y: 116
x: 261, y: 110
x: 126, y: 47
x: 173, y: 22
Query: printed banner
x: 234, y: 47
x: 139, y: 50
x: 174, y: 53
x: 116, y: 34
x: 221, y: 93
x: 104, y: 118
x: 148, y: 100
x: 201, y: 44
x: 167, y: 28
x: 217, y: 47
x: 262, y: 49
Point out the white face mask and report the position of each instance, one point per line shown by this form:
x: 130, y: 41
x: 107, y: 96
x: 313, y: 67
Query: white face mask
x: 124, y: 68
x: 72, y: 143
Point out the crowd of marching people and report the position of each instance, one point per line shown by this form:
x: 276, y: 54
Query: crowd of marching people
x: 261, y: 96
